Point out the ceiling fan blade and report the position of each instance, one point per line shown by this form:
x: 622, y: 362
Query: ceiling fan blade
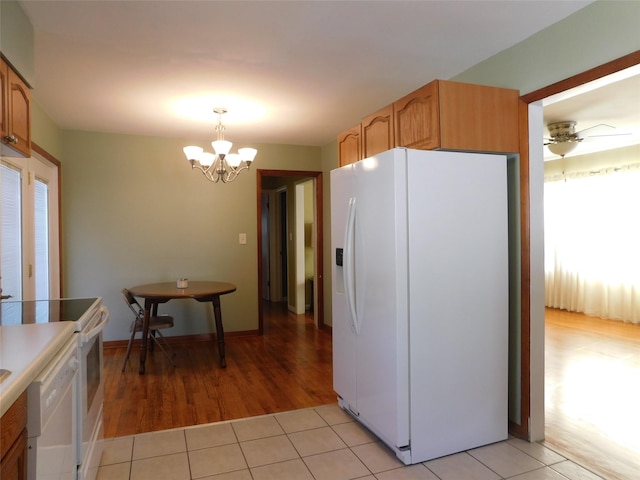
x: 580, y: 132
x: 609, y: 135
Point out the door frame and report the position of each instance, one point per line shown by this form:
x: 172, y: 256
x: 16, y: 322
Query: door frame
x: 525, y: 429
x: 319, y: 233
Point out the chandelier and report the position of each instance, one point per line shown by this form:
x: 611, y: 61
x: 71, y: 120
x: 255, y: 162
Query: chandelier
x: 221, y: 165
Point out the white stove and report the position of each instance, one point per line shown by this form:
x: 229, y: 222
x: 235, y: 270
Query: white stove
x: 90, y: 317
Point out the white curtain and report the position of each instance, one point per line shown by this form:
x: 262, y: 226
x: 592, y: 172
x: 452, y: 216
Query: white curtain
x: 592, y: 243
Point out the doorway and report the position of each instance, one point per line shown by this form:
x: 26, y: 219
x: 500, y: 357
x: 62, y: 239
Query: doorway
x: 285, y: 230
x: 29, y: 239
x: 533, y: 365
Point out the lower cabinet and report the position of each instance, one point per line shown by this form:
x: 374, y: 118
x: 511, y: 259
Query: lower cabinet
x: 13, y: 441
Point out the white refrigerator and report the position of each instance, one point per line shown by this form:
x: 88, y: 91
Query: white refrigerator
x: 420, y: 299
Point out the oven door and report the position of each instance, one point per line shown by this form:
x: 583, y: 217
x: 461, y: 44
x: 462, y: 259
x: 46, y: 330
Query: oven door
x: 51, y: 420
x: 91, y: 388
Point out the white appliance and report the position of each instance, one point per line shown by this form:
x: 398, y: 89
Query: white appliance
x: 51, y: 418
x: 420, y: 299
x: 91, y: 389
x: 90, y: 317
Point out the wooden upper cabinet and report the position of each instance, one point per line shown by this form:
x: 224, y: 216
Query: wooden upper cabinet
x: 349, y: 146
x: 16, y: 113
x: 416, y: 121
x: 441, y: 115
x: 377, y: 132
x: 458, y: 116
x: 478, y: 117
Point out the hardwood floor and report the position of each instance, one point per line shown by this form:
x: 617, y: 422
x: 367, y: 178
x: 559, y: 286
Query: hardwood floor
x: 288, y: 368
x: 592, y: 392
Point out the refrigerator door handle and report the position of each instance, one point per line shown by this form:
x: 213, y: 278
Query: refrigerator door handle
x: 348, y: 268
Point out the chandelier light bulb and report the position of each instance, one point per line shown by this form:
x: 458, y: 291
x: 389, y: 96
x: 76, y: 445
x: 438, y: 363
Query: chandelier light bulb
x: 247, y: 154
x: 233, y: 159
x: 221, y: 147
x: 206, y: 159
x: 192, y: 152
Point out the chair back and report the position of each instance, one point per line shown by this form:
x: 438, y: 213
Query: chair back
x: 133, y: 304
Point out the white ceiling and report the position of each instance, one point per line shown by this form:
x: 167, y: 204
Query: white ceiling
x: 292, y: 72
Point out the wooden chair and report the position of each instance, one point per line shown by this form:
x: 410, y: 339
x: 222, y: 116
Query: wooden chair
x: 156, y: 324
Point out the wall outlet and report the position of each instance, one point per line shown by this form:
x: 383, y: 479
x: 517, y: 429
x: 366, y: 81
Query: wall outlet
x: 242, y: 238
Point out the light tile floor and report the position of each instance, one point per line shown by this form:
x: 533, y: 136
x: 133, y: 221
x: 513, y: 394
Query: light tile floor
x: 321, y: 443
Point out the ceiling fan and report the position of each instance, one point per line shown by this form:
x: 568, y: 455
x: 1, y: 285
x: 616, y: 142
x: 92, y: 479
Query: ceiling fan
x: 565, y: 139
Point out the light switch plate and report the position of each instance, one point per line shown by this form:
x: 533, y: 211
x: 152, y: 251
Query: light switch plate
x: 242, y: 238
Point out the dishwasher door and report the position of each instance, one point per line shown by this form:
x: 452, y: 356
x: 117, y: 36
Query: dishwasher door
x: 51, y: 424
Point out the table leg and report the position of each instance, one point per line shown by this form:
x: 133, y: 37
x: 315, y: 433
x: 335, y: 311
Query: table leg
x: 219, y: 329
x: 154, y: 314
x: 145, y: 332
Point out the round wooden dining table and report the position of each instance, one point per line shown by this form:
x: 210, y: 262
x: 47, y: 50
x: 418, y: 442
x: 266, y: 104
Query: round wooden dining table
x: 201, y: 291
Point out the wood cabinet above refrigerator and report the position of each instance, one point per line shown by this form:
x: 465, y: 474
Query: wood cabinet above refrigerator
x: 349, y: 146
x: 443, y: 115
x: 377, y: 132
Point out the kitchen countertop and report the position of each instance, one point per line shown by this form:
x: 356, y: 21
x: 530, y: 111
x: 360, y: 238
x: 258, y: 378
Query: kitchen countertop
x: 25, y: 350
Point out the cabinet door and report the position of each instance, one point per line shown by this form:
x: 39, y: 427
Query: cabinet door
x: 377, y: 132
x: 19, y: 103
x: 14, y: 463
x: 349, y: 146
x: 13, y: 441
x: 4, y: 92
x: 416, y: 119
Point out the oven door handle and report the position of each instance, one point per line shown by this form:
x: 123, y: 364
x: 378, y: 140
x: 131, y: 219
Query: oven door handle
x: 99, y: 327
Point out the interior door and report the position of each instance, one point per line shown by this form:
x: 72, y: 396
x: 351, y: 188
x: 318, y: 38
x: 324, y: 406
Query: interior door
x: 29, y: 240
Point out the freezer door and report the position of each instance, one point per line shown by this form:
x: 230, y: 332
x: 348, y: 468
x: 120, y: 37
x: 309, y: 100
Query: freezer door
x: 377, y: 291
x: 344, y: 348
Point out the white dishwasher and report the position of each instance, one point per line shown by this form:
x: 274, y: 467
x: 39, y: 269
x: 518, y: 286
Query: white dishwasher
x: 52, y: 417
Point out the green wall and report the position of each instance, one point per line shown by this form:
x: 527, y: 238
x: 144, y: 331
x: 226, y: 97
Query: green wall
x: 600, y: 32
x: 45, y: 132
x: 16, y: 39
x: 135, y: 212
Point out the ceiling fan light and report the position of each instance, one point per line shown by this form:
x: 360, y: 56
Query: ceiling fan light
x: 562, y: 148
